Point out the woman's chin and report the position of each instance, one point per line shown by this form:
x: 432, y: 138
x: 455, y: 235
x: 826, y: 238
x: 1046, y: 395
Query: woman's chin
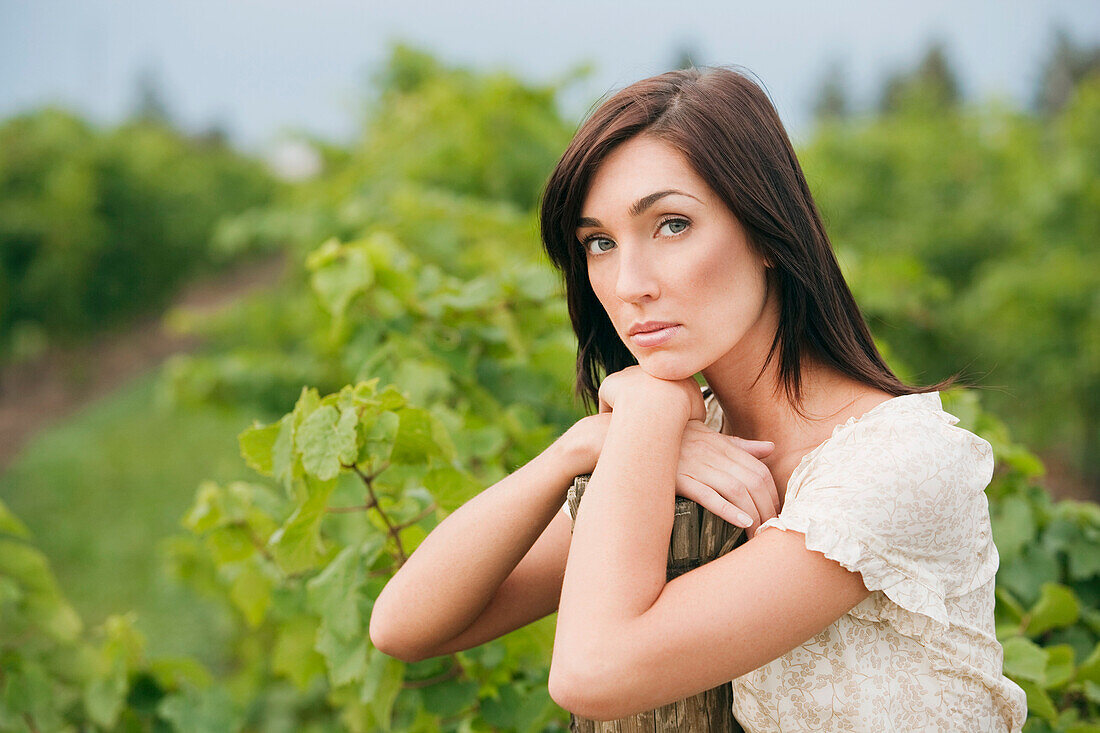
x: 667, y: 369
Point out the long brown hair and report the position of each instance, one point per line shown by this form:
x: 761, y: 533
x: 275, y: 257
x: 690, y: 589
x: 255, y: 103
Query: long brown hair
x: 729, y: 132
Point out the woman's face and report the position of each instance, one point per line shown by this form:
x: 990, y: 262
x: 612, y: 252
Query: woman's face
x: 663, y: 249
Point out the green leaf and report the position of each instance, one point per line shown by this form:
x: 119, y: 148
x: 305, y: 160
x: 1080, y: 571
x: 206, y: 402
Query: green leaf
x: 391, y: 399
x: 43, y: 603
x: 207, y: 511
x: 1090, y: 667
x: 1059, y: 667
x: 251, y: 593
x: 1024, y: 659
x: 296, y: 544
x: 450, y: 487
x: 420, y: 437
x: 1084, y: 559
x: 500, y: 712
x: 173, y: 673
x: 449, y: 697
x: 121, y: 649
x: 537, y: 705
x: 1013, y: 526
x: 1009, y: 603
x: 1025, y: 575
x: 1038, y: 701
x: 425, y: 382
x: 104, y: 694
x: 1092, y: 691
x: 230, y: 543
x: 1059, y: 533
x: 282, y: 453
x: 294, y: 655
x: 334, y: 594
x: 1082, y: 728
x: 326, y: 440
x: 339, y: 274
x: 1057, y: 606
x: 27, y: 689
x: 381, y: 685
x: 257, y: 445
x: 376, y: 438
x: 346, y: 660
x: 1091, y: 617
x: 201, y: 711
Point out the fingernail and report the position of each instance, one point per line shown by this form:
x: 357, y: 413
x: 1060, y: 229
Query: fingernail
x: 744, y: 519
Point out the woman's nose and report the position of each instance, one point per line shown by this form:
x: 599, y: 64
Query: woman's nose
x: 637, y: 276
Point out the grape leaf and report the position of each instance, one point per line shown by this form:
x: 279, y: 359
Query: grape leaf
x: 257, y: 444
x: 326, y: 439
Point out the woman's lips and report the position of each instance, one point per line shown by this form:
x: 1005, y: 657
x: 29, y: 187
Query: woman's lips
x: 655, y: 338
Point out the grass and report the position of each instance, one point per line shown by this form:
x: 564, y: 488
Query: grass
x: 102, y: 489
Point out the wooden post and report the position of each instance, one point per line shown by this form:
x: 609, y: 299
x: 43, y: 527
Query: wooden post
x: 697, y: 538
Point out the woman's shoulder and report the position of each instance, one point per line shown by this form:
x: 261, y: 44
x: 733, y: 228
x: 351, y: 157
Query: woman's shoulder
x: 899, y: 493
x: 903, y: 438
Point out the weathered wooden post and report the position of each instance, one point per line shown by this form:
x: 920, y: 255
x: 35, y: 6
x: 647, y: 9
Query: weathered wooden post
x: 697, y: 538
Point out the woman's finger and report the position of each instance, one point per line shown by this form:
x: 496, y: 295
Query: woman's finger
x: 705, y: 496
x: 754, y: 473
x: 743, y: 451
x: 744, y: 485
x: 732, y: 490
x: 757, y: 481
x: 756, y: 448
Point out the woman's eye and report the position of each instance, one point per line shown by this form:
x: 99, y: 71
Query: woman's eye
x: 673, y: 226
x: 602, y: 244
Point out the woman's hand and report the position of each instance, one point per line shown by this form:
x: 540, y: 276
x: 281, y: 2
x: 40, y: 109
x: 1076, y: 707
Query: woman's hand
x: 633, y: 380
x: 586, y: 437
x: 724, y: 475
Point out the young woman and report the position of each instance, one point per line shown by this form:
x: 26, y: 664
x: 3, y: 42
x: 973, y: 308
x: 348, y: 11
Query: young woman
x: 863, y: 599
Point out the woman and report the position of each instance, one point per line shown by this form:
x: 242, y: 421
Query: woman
x: 863, y: 600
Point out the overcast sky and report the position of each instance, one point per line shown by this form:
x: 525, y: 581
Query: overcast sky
x: 259, y: 66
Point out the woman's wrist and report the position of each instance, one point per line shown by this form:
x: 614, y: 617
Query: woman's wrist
x: 583, y: 441
x: 665, y: 399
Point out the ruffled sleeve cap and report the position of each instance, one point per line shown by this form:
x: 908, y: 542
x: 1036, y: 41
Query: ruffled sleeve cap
x: 898, y: 495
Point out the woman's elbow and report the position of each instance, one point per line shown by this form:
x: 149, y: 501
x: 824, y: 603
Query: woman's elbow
x: 388, y: 640
x: 588, y: 693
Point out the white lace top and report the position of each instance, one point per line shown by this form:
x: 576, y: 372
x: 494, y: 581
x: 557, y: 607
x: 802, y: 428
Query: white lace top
x: 899, y: 496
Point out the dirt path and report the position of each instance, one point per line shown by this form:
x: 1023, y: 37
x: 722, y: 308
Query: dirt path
x: 38, y: 393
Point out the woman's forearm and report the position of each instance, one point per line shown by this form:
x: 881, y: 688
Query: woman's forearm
x: 619, y: 551
x: 452, y: 576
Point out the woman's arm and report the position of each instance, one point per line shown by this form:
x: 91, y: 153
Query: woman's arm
x: 626, y: 641
x: 494, y: 564
x: 619, y: 551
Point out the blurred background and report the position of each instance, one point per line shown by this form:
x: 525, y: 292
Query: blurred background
x: 205, y: 207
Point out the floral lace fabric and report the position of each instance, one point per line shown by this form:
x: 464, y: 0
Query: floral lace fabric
x: 897, y: 495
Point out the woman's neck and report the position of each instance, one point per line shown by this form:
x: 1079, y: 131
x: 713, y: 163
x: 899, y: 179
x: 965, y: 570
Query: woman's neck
x: 762, y: 410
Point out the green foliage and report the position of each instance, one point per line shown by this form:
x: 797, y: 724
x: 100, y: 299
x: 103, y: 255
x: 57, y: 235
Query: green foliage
x: 969, y: 239
x: 96, y: 226
x: 484, y: 135
x: 56, y: 677
x: 357, y: 478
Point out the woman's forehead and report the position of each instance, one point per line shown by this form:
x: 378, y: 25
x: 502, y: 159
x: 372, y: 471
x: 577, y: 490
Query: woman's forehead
x: 640, y: 167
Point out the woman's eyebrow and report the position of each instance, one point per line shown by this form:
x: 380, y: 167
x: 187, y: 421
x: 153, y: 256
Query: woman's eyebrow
x: 638, y: 207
